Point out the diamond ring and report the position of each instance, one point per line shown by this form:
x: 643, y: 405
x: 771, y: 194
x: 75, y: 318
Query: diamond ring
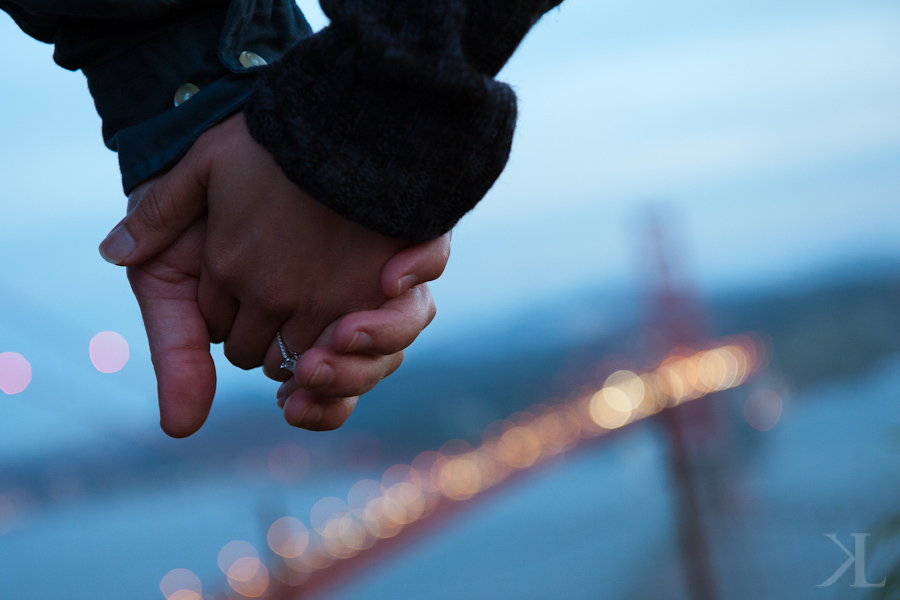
x: 290, y: 357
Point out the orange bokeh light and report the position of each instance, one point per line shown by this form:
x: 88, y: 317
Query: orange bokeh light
x: 186, y: 595
x: 181, y: 584
x: 288, y: 537
x: 330, y: 516
x: 248, y: 577
x: 519, y: 447
x: 459, y: 477
x: 234, y: 551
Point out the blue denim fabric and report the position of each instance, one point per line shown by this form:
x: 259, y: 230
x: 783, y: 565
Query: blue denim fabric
x: 137, y: 53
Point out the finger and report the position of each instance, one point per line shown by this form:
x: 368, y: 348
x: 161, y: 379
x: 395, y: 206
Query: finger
x: 388, y: 329
x: 284, y: 392
x: 162, y: 210
x: 354, y: 374
x: 275, y: 358
x: 179, y: 349
x: 330, y: 374
x: 272, y: 364
x: 250, y: 337
x: 218, y: 307
x: 385, y: 331
x: 415, y: 264
x: 297, y: 338
x: 306, y: 410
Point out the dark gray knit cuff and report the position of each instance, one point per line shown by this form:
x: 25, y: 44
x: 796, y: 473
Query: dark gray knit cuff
x: 494, y: 28
x: 396, y: 132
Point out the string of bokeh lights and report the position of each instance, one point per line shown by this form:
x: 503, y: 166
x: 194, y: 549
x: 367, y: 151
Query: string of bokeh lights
x: 376, y: 510
x: 108, y: 352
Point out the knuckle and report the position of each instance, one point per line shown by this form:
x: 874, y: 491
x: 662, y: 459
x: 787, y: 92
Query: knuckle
x: 154, y: 210
x: 223, y: 266
x: 396, y: 361
x: 217, y: 327
x: 272, y: 301
x: 444, y: 252
x: 345, y: 384
x: 241, y: 360
x: 338, y: 415
x: 367, y: 383
x: 217, y: 335
x: 274, y: 371
x: 430, y: 308
x: 328, y: 424
x: 374, y: 376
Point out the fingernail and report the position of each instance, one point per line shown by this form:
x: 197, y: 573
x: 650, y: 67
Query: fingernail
x: 405, y: 283
x: 282, y: 394
x: 310, y: 415
x: 323, y: 375
x: 360, y: 341
x: 117, y: 245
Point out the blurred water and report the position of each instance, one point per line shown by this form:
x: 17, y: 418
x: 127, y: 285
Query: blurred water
x: 601, y: 525
x: 598, y: 523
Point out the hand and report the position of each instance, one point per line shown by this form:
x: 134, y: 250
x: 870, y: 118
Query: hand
x: 166, y: 288
x: 327, y: 383
x: 360, y: 349
x: 170, y: 287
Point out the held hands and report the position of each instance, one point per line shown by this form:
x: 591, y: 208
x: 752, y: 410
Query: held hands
x: 265, y: 258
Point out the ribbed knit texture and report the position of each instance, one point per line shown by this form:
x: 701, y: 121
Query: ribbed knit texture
x: 385, y: 118
x: 494, y: 28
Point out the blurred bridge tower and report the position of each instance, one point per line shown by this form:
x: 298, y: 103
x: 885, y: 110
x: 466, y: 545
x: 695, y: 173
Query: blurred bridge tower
x: 676, y: 318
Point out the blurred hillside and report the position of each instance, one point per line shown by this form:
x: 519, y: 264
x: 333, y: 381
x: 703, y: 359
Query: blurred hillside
x: 828, y: 329
x: 825, y: 327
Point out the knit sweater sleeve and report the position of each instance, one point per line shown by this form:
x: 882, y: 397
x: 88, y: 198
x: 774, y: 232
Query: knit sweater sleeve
x: 391, y: 115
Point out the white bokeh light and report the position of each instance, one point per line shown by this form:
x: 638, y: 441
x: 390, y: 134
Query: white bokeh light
x: 15, y: 372
x: 109, y: 352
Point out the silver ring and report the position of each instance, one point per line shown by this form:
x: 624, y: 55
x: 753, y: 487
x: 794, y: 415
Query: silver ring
x: 290, y: 357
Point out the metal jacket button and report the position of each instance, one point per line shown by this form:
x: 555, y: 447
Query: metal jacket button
x: 251, y: 59
x: 184, y: 92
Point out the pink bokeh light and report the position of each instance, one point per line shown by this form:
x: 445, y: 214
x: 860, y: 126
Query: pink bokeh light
x: 15, y: 372
x: 109, y: 352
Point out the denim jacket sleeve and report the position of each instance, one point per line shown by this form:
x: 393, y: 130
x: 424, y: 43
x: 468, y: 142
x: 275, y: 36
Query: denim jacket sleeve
x: 136, y: 55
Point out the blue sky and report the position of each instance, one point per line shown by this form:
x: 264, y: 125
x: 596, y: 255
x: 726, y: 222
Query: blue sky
x: 772, y: 128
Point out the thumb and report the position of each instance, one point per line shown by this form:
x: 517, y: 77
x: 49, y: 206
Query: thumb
x: 414, y: 265
x: 159, y: 210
